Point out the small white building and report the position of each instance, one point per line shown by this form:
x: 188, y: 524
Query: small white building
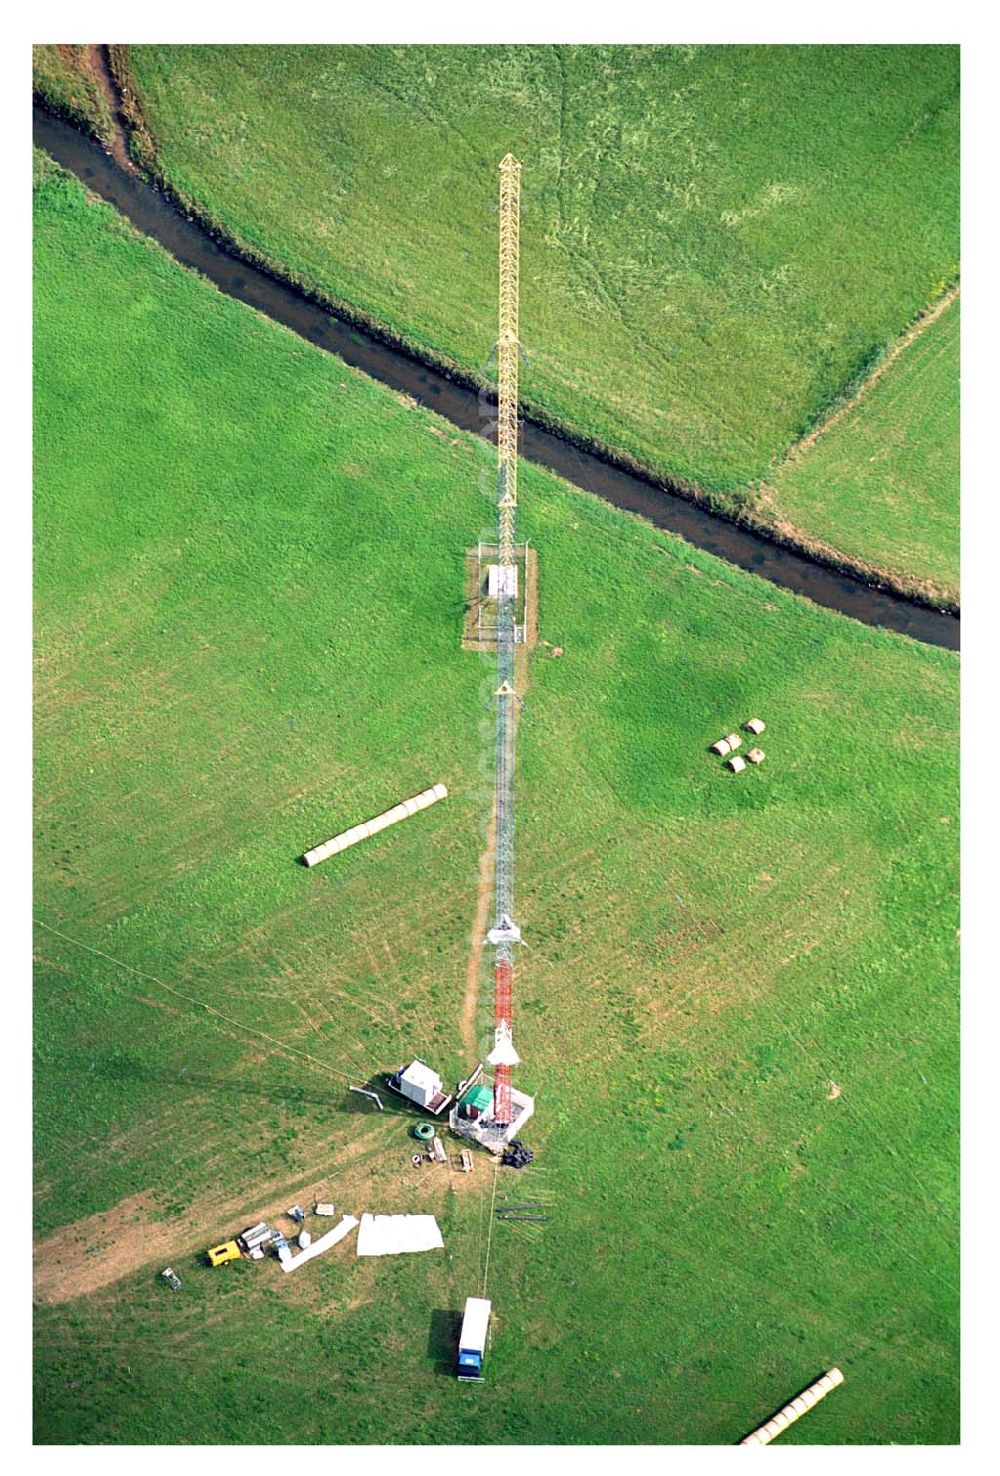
x: 420, y: 1084
x: 501, y: 580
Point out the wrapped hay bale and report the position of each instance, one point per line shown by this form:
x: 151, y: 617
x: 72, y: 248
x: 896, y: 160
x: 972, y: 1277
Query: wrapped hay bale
x: 722, y: 747
x: 755, y: 726
x: 737, y: 764
x: 793, y: 1411
x: 756, y: 755
x: 734, y: 740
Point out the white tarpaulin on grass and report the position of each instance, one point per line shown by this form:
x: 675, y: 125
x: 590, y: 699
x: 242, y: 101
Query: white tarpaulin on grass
x: 324, y: 1242
x: 391, y: 1235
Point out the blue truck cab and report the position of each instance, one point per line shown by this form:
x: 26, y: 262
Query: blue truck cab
x: 472, y: 1339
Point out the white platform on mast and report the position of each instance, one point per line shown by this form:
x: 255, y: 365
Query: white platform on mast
x: 503, y: 1053
x: 501, y: 579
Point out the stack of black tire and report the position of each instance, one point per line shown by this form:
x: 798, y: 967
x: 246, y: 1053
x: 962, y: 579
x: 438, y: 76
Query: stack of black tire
x: 515, y: 1155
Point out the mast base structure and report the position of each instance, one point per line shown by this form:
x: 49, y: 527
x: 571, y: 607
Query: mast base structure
x: 474, y: 1116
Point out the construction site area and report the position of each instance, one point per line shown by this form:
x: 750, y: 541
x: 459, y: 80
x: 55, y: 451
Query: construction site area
x: 477, y: 994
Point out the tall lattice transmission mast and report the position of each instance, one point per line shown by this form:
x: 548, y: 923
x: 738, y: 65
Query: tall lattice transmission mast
x: 504, y: 934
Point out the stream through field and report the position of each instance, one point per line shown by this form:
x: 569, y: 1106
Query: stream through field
x: 191, y: 245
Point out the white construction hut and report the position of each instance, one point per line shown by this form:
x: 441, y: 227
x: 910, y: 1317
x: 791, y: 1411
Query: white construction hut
x: 420, y: 1084
x: 501, y: 580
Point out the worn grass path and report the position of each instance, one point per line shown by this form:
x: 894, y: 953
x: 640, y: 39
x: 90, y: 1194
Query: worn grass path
x: 890, y: 457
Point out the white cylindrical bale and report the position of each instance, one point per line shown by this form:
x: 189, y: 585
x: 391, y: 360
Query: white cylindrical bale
x: 402, y: 811
x: 722, y: 747
x: 794, y: 1410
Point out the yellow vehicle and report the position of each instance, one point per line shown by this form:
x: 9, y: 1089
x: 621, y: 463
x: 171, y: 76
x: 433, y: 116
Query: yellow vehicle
x: 220, y: 1254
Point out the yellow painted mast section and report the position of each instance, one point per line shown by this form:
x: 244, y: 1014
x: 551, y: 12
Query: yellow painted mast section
x: 509, y: 351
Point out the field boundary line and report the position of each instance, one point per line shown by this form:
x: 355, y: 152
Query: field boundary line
x: 924, y: 319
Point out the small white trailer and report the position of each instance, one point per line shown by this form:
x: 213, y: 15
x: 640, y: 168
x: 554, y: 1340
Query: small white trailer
x: 421, y: 1086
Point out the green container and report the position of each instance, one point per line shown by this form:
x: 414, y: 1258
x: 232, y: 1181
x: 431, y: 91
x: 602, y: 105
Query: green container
x: 423, y: 1130
x: 478, y: 1096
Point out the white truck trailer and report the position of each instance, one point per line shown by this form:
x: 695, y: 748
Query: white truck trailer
x: 472, y: 1339
x: 421, y: 1086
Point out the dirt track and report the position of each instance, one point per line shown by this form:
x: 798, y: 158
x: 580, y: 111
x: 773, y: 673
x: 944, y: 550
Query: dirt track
x: 103, y: 1248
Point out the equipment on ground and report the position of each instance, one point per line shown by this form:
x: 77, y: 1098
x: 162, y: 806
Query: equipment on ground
x: 219, y: 1255
x: 364, y: 1092
x: 325, y: 1209
x: 516, y: 1156
x: 421, y: 1086
x: 171, y: 1278
x: 312, y: 1248
x: 423, y: 1130
x: 393, y: 1235
x: 472, y: 1339
x: 296, y: 1214
x: 255, y: 1237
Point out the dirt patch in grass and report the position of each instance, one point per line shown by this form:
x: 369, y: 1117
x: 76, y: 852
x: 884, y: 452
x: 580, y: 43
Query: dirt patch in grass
x: 107, y: 1247
x: 103, y: 1248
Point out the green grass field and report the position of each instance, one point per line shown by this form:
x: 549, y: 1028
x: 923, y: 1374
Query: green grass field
x: 716, y: 240
x: 882, y: 483
x: 249, y: 576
